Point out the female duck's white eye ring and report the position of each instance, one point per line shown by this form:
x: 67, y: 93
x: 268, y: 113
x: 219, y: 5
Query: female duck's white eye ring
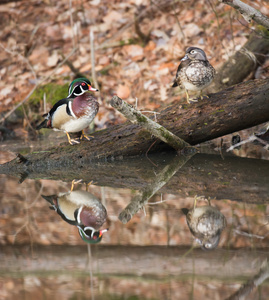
x: 193, y: 51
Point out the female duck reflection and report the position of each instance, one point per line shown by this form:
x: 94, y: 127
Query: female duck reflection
x: 205, y: 223
x: 82, y: 209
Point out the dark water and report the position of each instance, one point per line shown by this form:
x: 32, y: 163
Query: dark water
x: 153, y: 250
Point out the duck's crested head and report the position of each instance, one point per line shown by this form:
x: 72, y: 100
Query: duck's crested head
x: 79, y: 86
x: 194, y: 53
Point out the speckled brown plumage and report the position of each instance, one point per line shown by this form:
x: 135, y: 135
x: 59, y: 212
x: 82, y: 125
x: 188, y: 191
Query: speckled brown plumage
x: 194, y: 72
x: 206, y: 224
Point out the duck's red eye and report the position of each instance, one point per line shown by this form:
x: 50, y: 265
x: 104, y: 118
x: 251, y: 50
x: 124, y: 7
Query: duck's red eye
x: 83, y: 83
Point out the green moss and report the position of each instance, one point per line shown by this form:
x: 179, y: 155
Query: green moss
x: 105, y: 70
x: 54, y: 92
x: 261, y: 207
x: 217, y: 111
x: 264, y: 31
x: 141, y: 118
x: 132, y: 41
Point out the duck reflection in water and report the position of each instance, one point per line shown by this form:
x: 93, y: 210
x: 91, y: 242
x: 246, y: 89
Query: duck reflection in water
x: 82, y: 209
x: 205, y: 223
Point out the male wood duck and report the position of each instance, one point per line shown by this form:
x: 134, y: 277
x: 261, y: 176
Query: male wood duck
x: 74, y: 113
x: 206, y: 224
x: 194, y: 72
x: 82, y: 209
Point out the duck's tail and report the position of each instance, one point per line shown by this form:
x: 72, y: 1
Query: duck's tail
x: 175, y: 84
x: 45, y: 123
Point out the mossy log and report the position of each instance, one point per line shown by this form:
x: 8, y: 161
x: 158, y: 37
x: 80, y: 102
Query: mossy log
x: 239, y: 107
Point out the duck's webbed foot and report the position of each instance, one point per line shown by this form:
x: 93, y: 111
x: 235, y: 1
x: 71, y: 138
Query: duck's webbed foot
x: 84, y: 136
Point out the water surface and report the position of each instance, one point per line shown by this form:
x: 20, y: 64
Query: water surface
x: 149, y: 251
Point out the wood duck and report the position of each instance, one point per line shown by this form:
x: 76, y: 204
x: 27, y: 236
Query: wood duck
x: 194, y: 72
x: 206, y: 224
x: 82, y: 209
x: 74, y: 113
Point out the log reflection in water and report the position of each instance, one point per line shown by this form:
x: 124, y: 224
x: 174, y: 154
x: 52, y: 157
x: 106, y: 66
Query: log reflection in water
x: 146, y: 193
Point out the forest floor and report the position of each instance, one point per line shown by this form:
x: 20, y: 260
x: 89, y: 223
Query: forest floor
x: 137, y: 48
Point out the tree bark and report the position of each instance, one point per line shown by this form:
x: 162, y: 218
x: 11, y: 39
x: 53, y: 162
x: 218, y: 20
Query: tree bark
x: 248, y: 12
x: 239, y: 107
x: 234, y: 178
x: 242, y: 64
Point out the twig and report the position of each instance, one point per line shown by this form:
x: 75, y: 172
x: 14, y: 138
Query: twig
x: 239, y: 232
x: 250, y: 139
x: 252, y: 283
x: 148, y: 152
x: 154, y: 128
x: 248, y: 12
x: 93, y: 60
x: 178, y: 23
x: 164, y: 4
x: 144, y: 37
x: 72, y: 67
x: 139, y: 201
x: 26, y: 60
x: 218, y: 28
x: 72, y: 23
x: 36, y: 86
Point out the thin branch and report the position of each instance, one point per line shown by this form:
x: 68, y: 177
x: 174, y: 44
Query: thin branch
x: 144, y: 37
x: 37, y: 85
x: 252, y: 283
x: 75, y: 70
x: 219, y: 27
x: 178, y: 23
x: 248, y: 12
x: 161, y: 5
x: 141, y: 199
x: 72, y: 23
x: 26, y: 60
x: 135, y: 116
x: 93, y: 60
x: 252, y: 138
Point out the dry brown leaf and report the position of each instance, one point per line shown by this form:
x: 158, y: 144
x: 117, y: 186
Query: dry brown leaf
x: 191, y: 30
x: 53, y: 59
x: 104, y: 60
x: 112, y: 16
x: 136, y: 52
x: 123, y: 91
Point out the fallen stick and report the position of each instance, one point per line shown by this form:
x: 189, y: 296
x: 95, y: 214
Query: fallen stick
x: 162, y: 178
x: 248, y: 12
x: 136, y: 117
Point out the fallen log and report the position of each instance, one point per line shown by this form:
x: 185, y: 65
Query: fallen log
x: 239, y: 107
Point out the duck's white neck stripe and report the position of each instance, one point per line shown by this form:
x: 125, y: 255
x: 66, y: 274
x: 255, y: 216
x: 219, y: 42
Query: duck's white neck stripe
x: 71, y: 110
x: 71, y: 92
x: 78, y: 216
